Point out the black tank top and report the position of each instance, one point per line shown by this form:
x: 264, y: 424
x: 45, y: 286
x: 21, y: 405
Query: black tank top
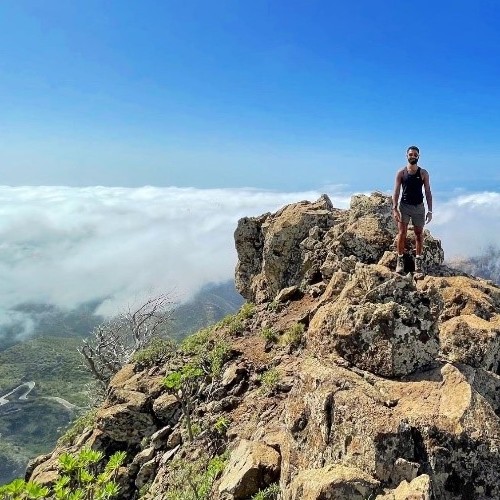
x: 412, y: 188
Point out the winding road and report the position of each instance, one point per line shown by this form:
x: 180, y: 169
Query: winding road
x: 24, y: 396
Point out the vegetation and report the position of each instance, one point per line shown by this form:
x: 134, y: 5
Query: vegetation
x: 222, y: 425
x: 270, y: 493
x: 80, y: 479
x: 181, y: 384
x: 194, y: 480
x: 269, y: 334
x: 270, y: 379
x: 293, y: 336
x: 113, y: 343
x: 157, y: 352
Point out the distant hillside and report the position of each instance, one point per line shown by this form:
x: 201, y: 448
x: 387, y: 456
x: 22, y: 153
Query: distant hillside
x: 31, y: 427
x: 39, y: 320
x: 209, y: 305
x: 486, y: 265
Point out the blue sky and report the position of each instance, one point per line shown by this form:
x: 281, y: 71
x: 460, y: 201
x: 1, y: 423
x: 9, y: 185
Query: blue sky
x: 282, y: 95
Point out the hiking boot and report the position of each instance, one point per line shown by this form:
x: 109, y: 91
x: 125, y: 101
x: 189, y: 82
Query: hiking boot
x: 419, y: 264
x: 400, y: 265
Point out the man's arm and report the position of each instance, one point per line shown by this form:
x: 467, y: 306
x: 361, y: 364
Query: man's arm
x: 428, y: 195
x: 395, y: 196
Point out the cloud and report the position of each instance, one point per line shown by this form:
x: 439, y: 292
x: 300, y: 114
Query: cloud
x: 66, y: 246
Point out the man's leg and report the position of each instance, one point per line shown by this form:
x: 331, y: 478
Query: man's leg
x: 419, y: 243
x: 419, y: 239
x: 401, y: 244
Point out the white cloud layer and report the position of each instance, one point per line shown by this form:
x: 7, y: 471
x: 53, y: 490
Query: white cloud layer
x: 66, y: 246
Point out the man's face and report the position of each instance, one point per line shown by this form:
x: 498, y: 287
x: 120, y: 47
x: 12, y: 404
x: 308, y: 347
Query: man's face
x: 412, y: 156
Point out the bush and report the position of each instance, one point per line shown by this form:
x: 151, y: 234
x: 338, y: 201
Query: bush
x: 293, y: 336
x: 247, y: 310
x: 269, y: 379
x: 270, y: 493
x: 80, y: 479
x: 158, y: 351
x: 269, y: 335
x: 194, y: 480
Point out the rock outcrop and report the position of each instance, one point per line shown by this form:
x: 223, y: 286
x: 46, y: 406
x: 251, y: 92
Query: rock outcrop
x: 344, y: 380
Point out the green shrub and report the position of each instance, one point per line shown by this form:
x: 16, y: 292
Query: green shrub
x: 269, y: 379
x: 217, y: 357
x: 195, y: 343
x: 158, y: 351
x: 236, y: 326
x: 270, y: 493
x: 80, y: 479
x: 194, y: 480
x: 274, y: 306
x: 269, y: 335
x: 247, y: 310
x: 181, y: 384
x: 222, y: 425
x: 293, y: 336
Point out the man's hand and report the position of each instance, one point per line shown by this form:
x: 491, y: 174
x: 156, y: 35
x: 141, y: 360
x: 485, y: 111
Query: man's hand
x: 428, y: 217
x: 396, y: 215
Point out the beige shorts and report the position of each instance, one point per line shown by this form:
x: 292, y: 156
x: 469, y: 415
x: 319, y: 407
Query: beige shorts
x: 414, y: 212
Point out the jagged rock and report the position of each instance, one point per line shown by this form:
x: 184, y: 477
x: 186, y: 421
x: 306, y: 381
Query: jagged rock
x: 418, y: 489
x: 167, y: 409
x: 472, y: 340
x: 252, y: 467
x: 125, y: 423
x: 288, y: 294
x: 269, y: 255
x: 146, y: 473
x: 335, y: 482
x: 380, y: 322
x: 404, y: 470
x: 140, y: 459
x: 159, y: 438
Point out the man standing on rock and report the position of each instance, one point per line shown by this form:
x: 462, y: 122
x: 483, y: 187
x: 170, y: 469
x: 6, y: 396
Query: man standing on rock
x: 411, y: 178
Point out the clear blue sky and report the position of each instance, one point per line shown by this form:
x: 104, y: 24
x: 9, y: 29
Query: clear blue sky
x: 287, y: 95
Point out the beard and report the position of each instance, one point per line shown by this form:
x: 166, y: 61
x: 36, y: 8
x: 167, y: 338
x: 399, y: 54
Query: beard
x: 413, y: 161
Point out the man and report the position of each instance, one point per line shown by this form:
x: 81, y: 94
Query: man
x: 411, y: 178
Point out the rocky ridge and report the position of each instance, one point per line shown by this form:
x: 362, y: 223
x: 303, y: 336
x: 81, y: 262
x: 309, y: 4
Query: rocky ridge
x: 344, y: 380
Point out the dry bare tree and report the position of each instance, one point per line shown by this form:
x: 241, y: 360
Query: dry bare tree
x: 112, y: 343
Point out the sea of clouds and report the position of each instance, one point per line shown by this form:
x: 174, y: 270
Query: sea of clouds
x: 66, y: 246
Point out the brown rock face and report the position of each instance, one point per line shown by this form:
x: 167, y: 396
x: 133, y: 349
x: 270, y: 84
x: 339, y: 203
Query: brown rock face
x: 346, y: 381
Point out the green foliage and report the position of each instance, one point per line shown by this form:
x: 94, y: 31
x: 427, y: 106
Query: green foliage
x: 179, y: 379
x: 269, y: 379
x: 78, y: 426
x: 195, y: 343
x: 222, y: 425
x: 234, y: 322
x: 217, y: 357
x: 79, y: 479
x: 247, y: 310
x: 273, y: 306
x: 194, y: 480
x: 270, y: 493
x: 269, y: 334
x: 157, y: 352
x: 181, y: 384
x: 293, y: 336
x: 236, y: 326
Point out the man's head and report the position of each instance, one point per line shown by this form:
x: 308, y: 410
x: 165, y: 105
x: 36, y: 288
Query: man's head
x: 412, y: 154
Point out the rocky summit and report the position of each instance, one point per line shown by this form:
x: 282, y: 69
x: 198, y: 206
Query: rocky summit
x: 339, y: 379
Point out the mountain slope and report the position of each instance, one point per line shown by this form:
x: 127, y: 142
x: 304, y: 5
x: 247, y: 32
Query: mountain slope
x: 344, y: 380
